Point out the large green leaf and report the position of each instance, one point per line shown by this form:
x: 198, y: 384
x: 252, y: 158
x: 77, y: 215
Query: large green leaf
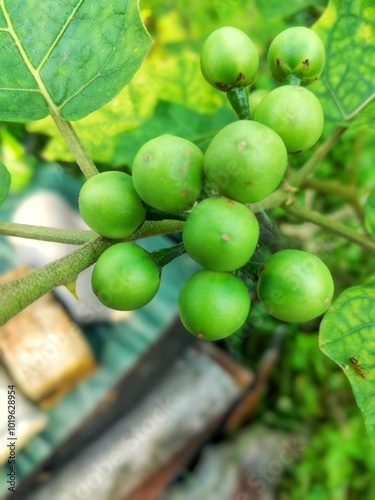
x: 347, y: 87
x: 70, y: 55
x: 348, y: 331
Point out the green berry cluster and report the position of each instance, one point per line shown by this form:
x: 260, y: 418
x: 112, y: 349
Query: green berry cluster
x: 244, y: 163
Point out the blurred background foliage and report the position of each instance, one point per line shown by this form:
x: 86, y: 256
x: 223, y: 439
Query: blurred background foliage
x: 306, y: 393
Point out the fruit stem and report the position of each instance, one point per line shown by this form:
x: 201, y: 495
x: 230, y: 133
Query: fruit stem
x: 75, y: 145
x: 165, y: 255
x: 292, y: 80
x: 346, y: 232
x: 154, y: 214
x: 239, y: 101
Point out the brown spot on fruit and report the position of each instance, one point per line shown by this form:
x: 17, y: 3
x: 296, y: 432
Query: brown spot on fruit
x: 148, y: 157
x: 225, y: 237
x: 240, y: 77
x: 241, y: 146
x: 306, y: 63
x: 222, y: 86
x: 200, y: 336
x: 187, y: 152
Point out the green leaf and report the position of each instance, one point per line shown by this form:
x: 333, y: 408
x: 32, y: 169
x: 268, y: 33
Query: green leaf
x: 347, y: 87
x: 72, y: 56
x: 115, y: 146
x: 370, y: 214
x: 4, y: 183
x: 348, y: 331
x: 274, y: 9
x: 174, y: 119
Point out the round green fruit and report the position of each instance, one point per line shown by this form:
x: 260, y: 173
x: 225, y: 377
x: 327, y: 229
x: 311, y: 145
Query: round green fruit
x: 221, y: 234
x: 229, y: 59
x: 295, y: 286
x: 110, y: 205
x: 168, y: 173
x: 213, y: 305
x: 245, y: 161
x: 125, y: 277
x: 296, y: 53
x: 295, y: 114
x: 255, y: 98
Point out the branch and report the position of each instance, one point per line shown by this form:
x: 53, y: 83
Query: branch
x: 41, y: 233
x: 317, y: 157
x: 346, y: 232
x: 347, y: 193
x: 20, y: 292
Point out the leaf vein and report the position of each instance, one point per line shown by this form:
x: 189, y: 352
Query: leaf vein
x: 60, y: 34
x: 18, y: 90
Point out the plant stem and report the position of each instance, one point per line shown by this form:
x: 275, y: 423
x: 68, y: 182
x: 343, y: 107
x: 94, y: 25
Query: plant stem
x: 348, y: 193
x: 80, y: 236
x: 20, y: 292
x: 316, y: 158
x: 75, y: 145
x: 57, y: 235
x: 239, y: 101
x: 346, y: 232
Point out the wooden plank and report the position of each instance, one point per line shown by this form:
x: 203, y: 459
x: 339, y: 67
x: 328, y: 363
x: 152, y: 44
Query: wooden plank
x: 126, y: 394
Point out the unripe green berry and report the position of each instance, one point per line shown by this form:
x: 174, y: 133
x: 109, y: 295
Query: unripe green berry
x: 296, y: 52
x: 110, y: 205
x: 295, y: 286
x: 125, y: 277
x: 229, y: 59
x: 295, y: 114
x: 221, y: 234
x: 245, y: 161
x: 213, y: 305
x: 168, y: 173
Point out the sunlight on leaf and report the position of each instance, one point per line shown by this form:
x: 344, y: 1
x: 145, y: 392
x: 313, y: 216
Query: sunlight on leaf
x: 348, y: 331
x: 347, y: 87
